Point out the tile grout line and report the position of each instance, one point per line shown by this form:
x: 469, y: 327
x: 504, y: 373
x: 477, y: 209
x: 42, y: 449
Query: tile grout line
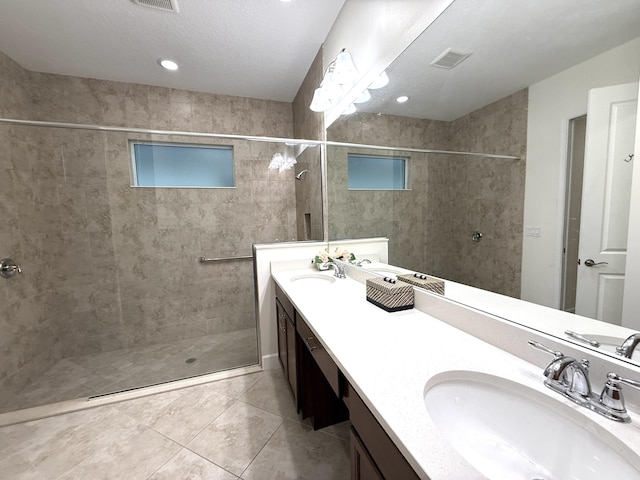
x: 211, y: 462
x: 263, y: 446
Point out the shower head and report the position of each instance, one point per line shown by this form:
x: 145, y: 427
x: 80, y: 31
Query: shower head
x: 299, y: 176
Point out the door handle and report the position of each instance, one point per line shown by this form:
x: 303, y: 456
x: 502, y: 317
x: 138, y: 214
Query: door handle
x: 590, y: 263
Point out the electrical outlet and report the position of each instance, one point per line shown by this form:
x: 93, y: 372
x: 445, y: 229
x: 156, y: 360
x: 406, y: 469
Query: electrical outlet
x: 533, y: 231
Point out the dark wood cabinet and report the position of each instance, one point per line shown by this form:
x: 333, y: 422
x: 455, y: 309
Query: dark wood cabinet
x: 282, y: 335
x: 323, y: 394
x: 380, y: 449
x: 319, y: 381
x: 362, y: 465
x: 287, y: 342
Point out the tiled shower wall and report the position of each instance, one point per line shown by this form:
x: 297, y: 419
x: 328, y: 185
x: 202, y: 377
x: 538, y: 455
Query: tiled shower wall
x: 468, y: 194
x: 431, y: 230
x: 309, y: 126
x: 106, y: 265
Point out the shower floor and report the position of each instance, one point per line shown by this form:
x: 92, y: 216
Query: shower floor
x: 99, y: 373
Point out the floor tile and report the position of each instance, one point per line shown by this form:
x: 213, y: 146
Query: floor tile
x: 186, y: 465
x: 234, y: 438
x: 144, y: 438
x: 106, y: 372
x: 179, y: 415
x: 296, y: 452
x: 94, y: 443
x: 271, y: 393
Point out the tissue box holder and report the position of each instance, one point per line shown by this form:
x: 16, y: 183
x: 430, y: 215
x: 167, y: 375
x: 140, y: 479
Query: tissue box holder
x: 391, y: 297
x: 432, y: 284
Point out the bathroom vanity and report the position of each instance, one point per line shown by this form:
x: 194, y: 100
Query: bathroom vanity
x: 387, y: 372
x: 323, y: 394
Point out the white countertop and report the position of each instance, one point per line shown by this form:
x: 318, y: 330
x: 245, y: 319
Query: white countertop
x: 389, y: 357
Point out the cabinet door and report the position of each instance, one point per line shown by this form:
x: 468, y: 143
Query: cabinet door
x: 292, y: 367
x: 362, y: 465
x: 281, y: 322
x: 383, y: 452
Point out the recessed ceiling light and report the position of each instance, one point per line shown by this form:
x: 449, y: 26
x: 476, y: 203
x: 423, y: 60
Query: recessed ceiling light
x: 168, y: 64
x: 402, y: 99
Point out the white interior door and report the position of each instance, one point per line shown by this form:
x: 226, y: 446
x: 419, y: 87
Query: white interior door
x: 606, y: 194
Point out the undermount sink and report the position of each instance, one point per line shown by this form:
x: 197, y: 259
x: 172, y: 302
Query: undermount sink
x: 383, y: 269
x: 509, y: 431
x: 313, y: 279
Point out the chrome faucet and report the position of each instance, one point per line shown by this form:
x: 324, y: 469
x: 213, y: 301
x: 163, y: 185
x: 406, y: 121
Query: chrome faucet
x: 359, y: 263
x: 564, y: 374
x: 570, y: 377
x: 612, y: 400
x: 339, y: 269
x: 629, y: 345
x: 578, y: 375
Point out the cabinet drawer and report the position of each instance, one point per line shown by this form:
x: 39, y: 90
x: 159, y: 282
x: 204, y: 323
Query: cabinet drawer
x: 320, y: 355
x: 285, y: 302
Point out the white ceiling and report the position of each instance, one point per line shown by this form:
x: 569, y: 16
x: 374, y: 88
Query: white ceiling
x: 515, y: 43
x: 263, y: 48
x: 249, y: 48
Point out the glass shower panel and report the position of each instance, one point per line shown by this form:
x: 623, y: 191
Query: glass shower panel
x: 112, y: 295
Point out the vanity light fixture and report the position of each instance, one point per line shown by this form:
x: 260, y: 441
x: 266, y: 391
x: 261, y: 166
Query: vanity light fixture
x: 365, y: 96
x: 281, y: 162
x: 168, y: 64
x: 349, y: 110
x: 339, y: 77
x: 380, y: 81
x: 402, y: 99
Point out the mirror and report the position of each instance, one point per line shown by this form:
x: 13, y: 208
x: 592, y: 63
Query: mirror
x: 485, y: 105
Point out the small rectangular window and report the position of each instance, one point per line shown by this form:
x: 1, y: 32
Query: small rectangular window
x: 368, y: 172
x: 182, y: 165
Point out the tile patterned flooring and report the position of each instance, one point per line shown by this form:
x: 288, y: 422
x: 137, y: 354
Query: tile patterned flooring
x: 243, y: 428
x: 87, y: 375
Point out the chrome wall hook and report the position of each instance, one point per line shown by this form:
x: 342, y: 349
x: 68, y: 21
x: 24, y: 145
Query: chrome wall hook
x: 629, y: 158
x: 476, y: 236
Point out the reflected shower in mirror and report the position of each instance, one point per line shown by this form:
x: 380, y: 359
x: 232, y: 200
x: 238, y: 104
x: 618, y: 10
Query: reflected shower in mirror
x: 530, y: 72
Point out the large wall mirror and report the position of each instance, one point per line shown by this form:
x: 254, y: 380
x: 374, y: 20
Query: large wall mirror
x: 518, y: 101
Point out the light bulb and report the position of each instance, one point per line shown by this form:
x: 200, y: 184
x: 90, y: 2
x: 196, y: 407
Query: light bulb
x: 320, y: 102
x: 168, y: 64
x: 344, y: 71
x: 349, y: 110
x: 276, y: 161
x: 380, y: 81
x: 365, y: 96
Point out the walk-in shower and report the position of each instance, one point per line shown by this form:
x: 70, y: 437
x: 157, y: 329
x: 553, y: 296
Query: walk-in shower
x: 124, y: 286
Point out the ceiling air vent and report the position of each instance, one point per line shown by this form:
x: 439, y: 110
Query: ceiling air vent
x: 166, y: 5
x: 449, y: 59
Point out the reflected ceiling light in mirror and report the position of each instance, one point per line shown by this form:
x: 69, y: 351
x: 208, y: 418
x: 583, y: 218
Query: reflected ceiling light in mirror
x: 168, y: 64
x: 380, y: 81
x: 282, y: 162
x: 339, y: 78
x: 365, y: 96
x: 349, y: 110
x: 402, y: 99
